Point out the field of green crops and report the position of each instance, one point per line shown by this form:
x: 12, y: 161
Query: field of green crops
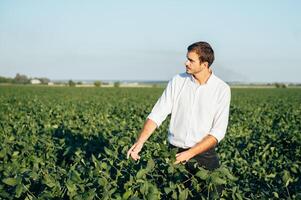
x: 71, y: 143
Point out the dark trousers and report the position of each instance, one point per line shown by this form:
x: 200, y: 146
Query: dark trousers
x: 208, y: 160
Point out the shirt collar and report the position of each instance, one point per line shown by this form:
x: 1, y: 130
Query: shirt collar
x: 210, y: 79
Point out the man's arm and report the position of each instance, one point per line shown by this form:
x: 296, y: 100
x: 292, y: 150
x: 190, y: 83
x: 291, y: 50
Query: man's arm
x: 205, y: 144
x: 148, y: 128
x: 159, y: 112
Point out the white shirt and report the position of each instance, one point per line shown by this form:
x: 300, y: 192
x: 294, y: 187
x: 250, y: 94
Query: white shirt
x: 196, y: 110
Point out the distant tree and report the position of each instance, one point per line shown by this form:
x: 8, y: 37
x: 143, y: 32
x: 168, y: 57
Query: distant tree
x: 5, y: 80
x: 21, y: 79
x: 71, y: 83
x: 44, y: 80
x: 97, y: 83
x: 117, y: 84
x: 280, y: 85
x: 79, y: 83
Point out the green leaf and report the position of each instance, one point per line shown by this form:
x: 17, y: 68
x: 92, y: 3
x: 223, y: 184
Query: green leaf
x: 90, y: 195
x: 11, y: 138
x: 71, y: 187
x: 167, y: 190
x: 174, y: 195
x: 215, y: 179
x: 153, y: 192
x: 102, y: 181
x: 19, y: 190
x: 286, y: 178
x: 10, y: 181
x: 94, y: 159
x: 276, y: 194
x: 75, y: 176
x: 202, y: 173
x: 183, y: 194
x: 2, y: 154
x: 49, y: 181
x: 170, y: 169
x: 150, y: 165
x: 127, y: 194
x: 295, y: 168
x: 141, y: 173
x: 33, y: 175
x: 108, y: 151
x: 144, y: 188
x: 15, y: 153
x: 104, y: 165
x: 225, y: 171
x: 270, y: 175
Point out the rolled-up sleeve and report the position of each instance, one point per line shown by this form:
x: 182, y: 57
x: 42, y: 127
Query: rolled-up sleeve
x: 221, y: 117
x: 163, y: 106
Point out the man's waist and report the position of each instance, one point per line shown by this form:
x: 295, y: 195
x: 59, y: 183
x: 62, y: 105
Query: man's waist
x: 179, y: 149
x: 177, y: 142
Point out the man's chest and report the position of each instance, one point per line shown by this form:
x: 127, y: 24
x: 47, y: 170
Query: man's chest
x: 197, y: 101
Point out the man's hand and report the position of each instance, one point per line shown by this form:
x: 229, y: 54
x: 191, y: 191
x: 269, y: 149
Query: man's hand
x: 148, y: 128
x: 134, y: 150
x: 206, y: 143
x: 183, y: 156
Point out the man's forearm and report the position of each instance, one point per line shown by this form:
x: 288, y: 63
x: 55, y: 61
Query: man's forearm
x: 205, y: 144
x: 148, y: 128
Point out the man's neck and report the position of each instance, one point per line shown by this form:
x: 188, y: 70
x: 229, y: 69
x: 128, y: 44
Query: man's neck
x: 203, y: 76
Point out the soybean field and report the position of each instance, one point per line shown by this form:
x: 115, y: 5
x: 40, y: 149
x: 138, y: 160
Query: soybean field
x: 71, y: 143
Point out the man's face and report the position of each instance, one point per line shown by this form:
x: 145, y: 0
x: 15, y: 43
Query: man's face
x: 193, y: 65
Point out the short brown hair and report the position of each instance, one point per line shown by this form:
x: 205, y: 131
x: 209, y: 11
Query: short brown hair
x: 204, y: 50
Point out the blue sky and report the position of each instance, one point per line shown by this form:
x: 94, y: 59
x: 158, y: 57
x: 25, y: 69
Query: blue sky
x: 254, y: 41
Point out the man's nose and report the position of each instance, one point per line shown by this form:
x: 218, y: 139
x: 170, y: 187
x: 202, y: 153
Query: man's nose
x: 186, y: 63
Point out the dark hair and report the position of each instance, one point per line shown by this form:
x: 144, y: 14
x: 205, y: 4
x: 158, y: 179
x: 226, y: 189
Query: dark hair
x: 204, y: 50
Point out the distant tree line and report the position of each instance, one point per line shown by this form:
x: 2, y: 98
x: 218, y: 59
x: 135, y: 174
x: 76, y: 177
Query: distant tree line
x: 22, y: 79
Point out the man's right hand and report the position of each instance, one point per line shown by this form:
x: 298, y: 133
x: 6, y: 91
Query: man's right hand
x: 134, y: 150
x: 148, y: 129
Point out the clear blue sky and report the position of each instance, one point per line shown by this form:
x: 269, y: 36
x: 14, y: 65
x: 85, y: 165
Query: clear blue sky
x: 258, y: 41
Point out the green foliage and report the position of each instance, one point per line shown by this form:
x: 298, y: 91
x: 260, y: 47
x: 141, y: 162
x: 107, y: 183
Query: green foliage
x: 5, y: 80
x: 71, y: 143
x: 117, y: 84
x: 97, y: 83
x: 71, y: 83
x: 21, y: 79
x: 280, y: 85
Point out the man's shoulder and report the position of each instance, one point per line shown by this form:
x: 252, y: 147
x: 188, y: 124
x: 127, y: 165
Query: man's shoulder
x: 180, y: 77
x: 221, y: 83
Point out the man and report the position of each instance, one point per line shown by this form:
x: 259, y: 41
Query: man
x: 199, y: 105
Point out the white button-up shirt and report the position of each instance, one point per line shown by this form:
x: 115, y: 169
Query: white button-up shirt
x: 196, y: 110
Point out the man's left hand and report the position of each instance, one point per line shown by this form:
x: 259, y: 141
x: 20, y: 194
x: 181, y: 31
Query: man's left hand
x: 183, y: 157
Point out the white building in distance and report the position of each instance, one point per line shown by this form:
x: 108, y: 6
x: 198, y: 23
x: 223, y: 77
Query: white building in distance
x: 35, y: 81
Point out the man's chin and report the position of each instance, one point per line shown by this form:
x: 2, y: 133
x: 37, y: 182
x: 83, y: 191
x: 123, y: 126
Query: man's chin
x: 188, y: 72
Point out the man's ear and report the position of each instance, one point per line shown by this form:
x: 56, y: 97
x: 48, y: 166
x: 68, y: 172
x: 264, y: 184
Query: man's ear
x: 205, y: 64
